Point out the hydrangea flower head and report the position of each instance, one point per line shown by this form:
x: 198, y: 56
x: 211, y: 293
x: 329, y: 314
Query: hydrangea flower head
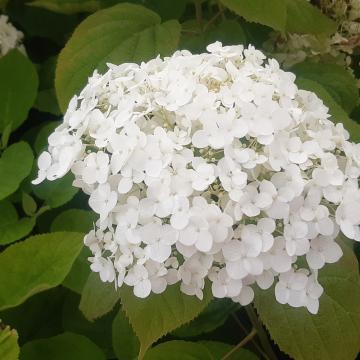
x: 212, y: 166
x: 10, y: 37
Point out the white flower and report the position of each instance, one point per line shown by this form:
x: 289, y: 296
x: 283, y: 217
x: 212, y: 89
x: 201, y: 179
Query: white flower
x: 203, y: 174
x: 223, y: 286
x: 323, y: 250
x: 138, y: 277
x: 103, y: 200
x: 212, y: 166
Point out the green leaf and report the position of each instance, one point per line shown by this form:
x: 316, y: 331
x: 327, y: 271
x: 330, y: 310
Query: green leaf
x: 74, y: 220
x: 36, y: 264
x: 15, y: 165
x: 340, y: 84
x: 18, y: 88
x: 334, y: 333
x: 98, y: 331
x: 79, y: 273
x: 124, y: 32
x: 167, y: 9
x: 41, y: 141
x: 72, y: 6
x: 213, y: 316
x: 46, y: 98
x: 31, y: 318
x: 270, y: 13
x: 98, y: 298
x: 283, y: 15
x: 9, y: 348
x: 28, y: 204
x: 337, y: 113
x: 304, y: 18
x: 64, y: 346
x: 11, y: 227
x: 229, y: 32
x: 159, y: 314
x: 36, y: 22
x: 125, y: 343
x: 186, y: 350
x: 57, y: 192
x: 3, y: 4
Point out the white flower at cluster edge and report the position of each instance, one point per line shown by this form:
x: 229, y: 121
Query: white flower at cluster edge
x: 10, y: 37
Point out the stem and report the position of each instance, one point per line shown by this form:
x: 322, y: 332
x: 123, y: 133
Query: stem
x: 264, y: 340
x: 222, y: 10
x: 255, y: 343
x: 211, y: 21
x: 198, y: 12
x: 243, y: 342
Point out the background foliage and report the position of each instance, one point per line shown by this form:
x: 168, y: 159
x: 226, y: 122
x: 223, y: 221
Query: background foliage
x: 51, y: 307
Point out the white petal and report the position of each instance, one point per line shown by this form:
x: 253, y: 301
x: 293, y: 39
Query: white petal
x: 159, y: 252
x: 315, y: 259
x: 265, y: 280
x: 236, y: 270
x: 125, y: 185
x: 143, y: 288
x: 204, y: 241
x: 246, y: 296
x: 179, y: 220
x: 282, y: 293
x: 218, y: 289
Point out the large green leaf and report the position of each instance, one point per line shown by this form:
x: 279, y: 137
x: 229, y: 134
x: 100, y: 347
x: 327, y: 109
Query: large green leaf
x: 340, y: 84
x: 213, y: 316
x: 186, y: 350
x: 64, y: 346
x: 125, y: 343
x: 334, y: 333
x: 98, y: 298
x: 18, y: 88
x: 338, y: 114
x: 9, y: 348
x: 74, y: 220
x: 124, y: 32
x: 57, y: 192
x: 36, y: 264
x: 15, y: 165
x: 11, y: 227
x: 73, y: 6
x: 283, y: 15
x: 157, y: 315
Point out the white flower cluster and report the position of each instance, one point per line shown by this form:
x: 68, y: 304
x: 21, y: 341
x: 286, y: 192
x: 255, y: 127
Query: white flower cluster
x: 10, y: 37
x: 211, y: 166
